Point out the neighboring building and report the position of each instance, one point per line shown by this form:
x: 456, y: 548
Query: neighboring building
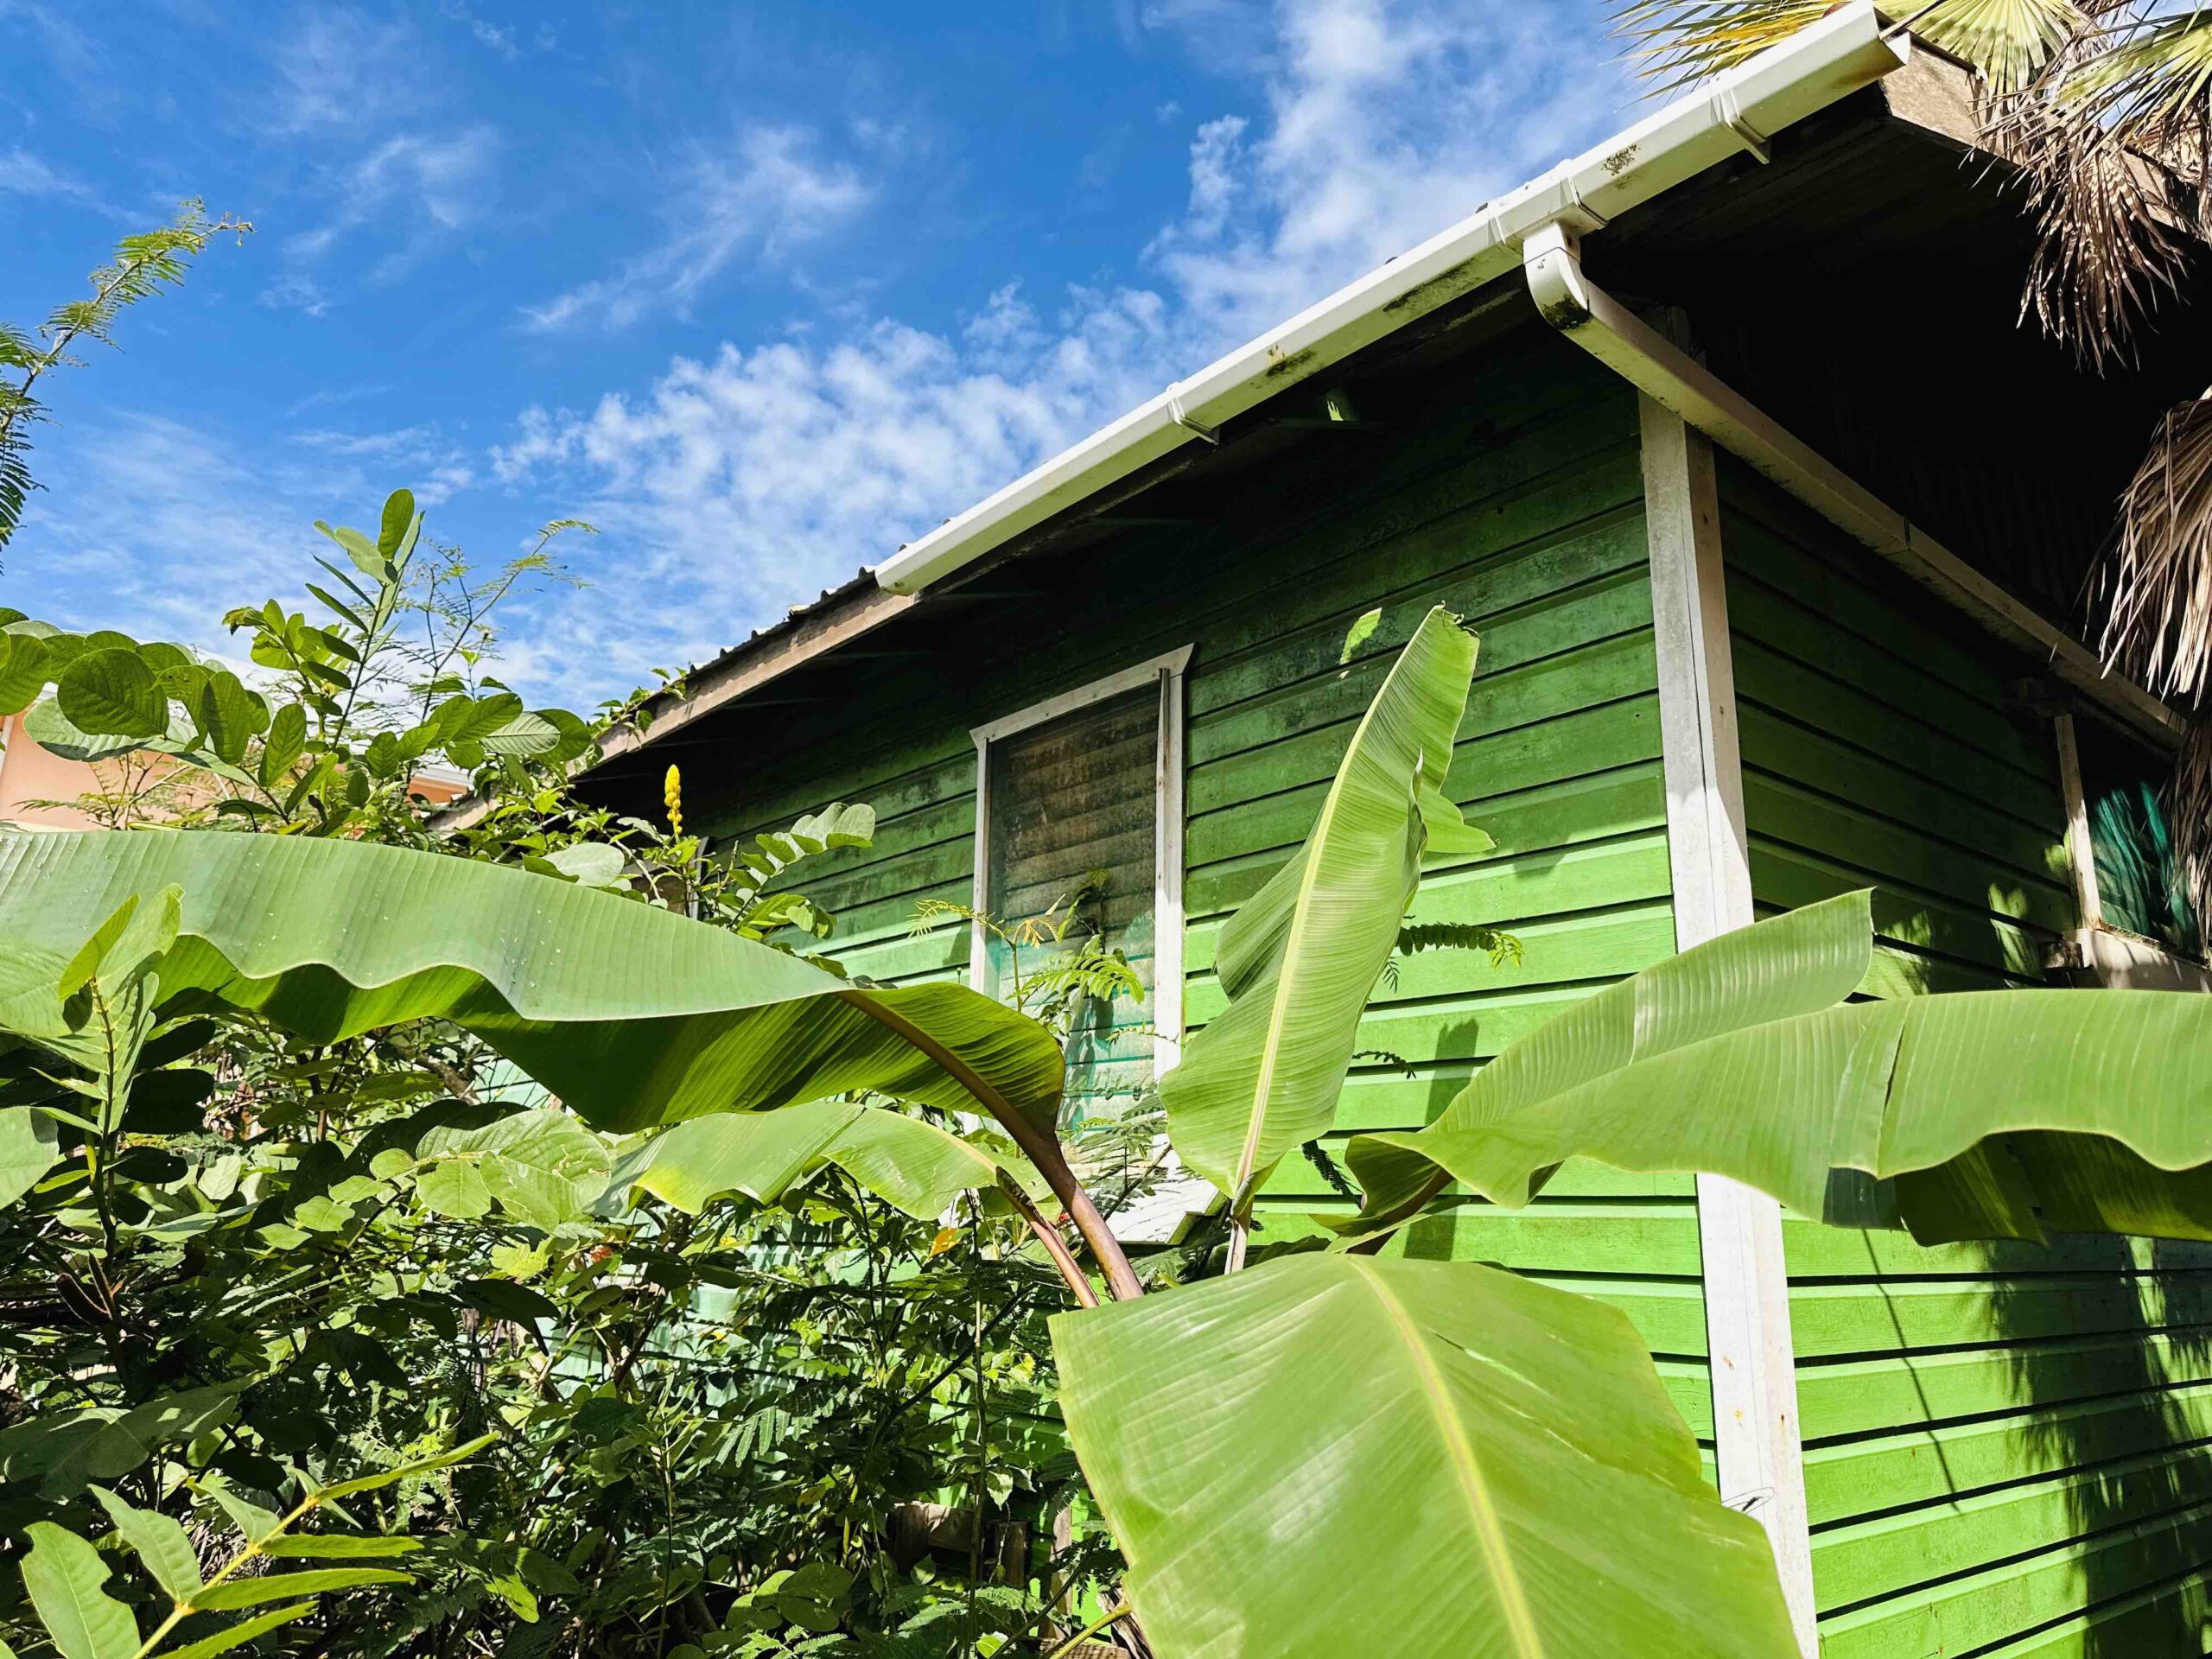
x: 40, y: 790
x: 1773, y: 567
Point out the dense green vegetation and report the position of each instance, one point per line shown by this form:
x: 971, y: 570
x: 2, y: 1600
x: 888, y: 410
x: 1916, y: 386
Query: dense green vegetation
x: 414, y: 1255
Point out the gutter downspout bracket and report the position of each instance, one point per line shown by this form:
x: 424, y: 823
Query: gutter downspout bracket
x: 1177, y: 414
x: 1730, y: 114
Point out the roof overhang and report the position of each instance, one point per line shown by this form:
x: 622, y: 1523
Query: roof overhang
x: 1736, y: 112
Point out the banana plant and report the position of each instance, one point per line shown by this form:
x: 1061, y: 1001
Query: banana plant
x: 1331, y: 1448
x: 2000, y: 1114
x: 632, y: 1015
x: 1299, y: 960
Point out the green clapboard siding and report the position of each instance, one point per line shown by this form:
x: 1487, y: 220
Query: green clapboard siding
x: 1515, y: 499
x: 2008, y: 1448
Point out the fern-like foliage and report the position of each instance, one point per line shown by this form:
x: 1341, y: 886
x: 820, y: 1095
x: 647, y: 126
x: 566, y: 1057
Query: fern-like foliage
x: 143, y: 265
x: 1504, y: 948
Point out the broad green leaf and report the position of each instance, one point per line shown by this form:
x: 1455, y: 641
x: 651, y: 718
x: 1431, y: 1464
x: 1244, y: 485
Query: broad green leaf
x: 25, y: 667
x: 2002, y: 1114
x: 64, y: 1451
x: 340, y: 1546
x: 1334, y: 1454
x: 85, y: 962
x: 902, y: 1159
x: 400, y: 526
x: 845, y: 823
x: 287, y: 738
x: 28, y: 1147
x: 544, y: 1167
x: 465, y: 719
x: 454, y: 1188
x: 65, y: 1579
x: 254, y: 1524
x: 358, y: 548
x: 593, y: 863
x: 1359, y: 634
x: 1301, y: 959
x: 631, y: 1014
x: 161, y: 1543
x: 126, y: 944
x: 112, y: 694
x: 229, y: 714
x: 46, y: 726
x: 242, y: 1632
x: 276, y: 1586
x: 1797, y: 964
x: 418, y: 1467
x: 520, y: 738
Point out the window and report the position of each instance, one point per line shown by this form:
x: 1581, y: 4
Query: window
x: 1079, y: 806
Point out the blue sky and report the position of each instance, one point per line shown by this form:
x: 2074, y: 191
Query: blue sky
x: 759, y: 290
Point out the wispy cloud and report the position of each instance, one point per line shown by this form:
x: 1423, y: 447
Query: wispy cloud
x: 427, y: 187
x: 342, y: 70
x: 765, y: 195
x: 22, y: 173
x: 421, y: 457
x: 756, y: 475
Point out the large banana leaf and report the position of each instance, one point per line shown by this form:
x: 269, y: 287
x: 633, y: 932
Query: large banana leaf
x: 1334, y: 1454
x: 1301, y: 959
x: 2002, y: 1114
x: 632, y: 1015
x: 902, y: 1159
x: 1797, y: 963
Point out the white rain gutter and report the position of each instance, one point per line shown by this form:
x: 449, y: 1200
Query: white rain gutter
x: 1592, y: 319
x: 1733, y: 114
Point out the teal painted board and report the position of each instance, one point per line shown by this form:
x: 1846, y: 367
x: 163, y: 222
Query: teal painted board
x: 2008, y: 1447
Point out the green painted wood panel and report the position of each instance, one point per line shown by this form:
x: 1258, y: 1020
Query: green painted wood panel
x: 2008, y: 1448
x: 1515, y: 499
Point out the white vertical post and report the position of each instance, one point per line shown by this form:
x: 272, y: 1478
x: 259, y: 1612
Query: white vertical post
x: 1168, y: 877
x: 2081, y: 856
x: 1739, y: 1229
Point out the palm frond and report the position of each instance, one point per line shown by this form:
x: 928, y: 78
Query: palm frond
x: 1685, y: 40
x: 2110, y: 246
x: 2155, y: 582
x: 2148, y: 84
x: 2008, y: 42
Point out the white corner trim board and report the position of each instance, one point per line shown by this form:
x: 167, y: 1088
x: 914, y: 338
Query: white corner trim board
x: 1166, y: 671
x: 1753, y: 1370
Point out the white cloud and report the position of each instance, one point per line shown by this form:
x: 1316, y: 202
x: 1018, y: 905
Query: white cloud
x: 1386, y: 122
x: 22, y: 173
x: 409, y: 193
x: 343, y: 70
x: 156, y: 526
x: 751, y: 477
x: 757, y: 199
x: 420, y: 457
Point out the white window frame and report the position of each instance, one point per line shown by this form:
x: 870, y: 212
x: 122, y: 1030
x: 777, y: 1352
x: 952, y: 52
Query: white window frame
x: 1166, y: 671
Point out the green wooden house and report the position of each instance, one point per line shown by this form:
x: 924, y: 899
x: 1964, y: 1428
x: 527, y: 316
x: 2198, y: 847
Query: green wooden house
x: 1774, y: 523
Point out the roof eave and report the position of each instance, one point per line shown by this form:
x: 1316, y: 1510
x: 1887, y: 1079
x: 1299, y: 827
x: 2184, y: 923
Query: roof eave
x: 1850, y: 48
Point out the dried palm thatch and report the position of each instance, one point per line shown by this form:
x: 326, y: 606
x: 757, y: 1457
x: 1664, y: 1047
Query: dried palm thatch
x: 2105, y: 109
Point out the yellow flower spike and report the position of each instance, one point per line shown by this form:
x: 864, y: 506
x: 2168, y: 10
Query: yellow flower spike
x: 673, y: 794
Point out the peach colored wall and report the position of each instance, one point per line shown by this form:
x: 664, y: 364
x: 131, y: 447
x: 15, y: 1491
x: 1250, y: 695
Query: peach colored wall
x: 30, y: 772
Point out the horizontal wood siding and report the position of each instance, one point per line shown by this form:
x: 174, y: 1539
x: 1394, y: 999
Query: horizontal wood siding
x: 1515, y: 499
x: 2008, y: 1448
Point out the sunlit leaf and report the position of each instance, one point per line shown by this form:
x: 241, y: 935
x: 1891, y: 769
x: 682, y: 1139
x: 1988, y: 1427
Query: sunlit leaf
x: 1332, y: 1455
